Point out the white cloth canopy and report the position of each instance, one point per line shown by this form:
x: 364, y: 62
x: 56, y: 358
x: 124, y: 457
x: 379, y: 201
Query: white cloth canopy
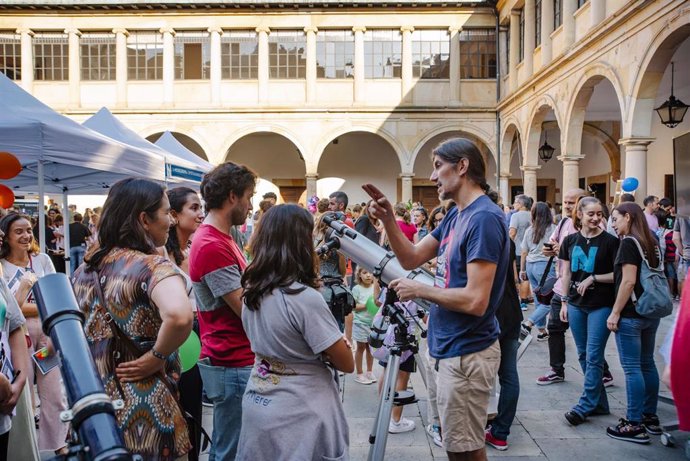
x: 168, y: 142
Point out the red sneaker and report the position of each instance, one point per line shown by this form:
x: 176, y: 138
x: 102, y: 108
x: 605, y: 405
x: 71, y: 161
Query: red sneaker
x: 501, y: 445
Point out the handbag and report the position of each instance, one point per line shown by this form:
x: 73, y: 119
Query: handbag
x: 655, y: 302
x: 544, y: 291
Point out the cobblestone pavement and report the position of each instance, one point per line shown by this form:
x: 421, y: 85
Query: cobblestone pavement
x: 539, y: 431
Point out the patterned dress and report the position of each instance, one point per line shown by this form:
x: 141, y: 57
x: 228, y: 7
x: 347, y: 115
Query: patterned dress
x: 152, y: 422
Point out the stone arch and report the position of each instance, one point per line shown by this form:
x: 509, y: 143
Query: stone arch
x: 657, y: 56
x: 310, y: 163
x: 571, y: 132
x: 511, y: 129
x: 530, y: 143
x: 203, y: 150
x: 473, y: 133
x: 373, y: 129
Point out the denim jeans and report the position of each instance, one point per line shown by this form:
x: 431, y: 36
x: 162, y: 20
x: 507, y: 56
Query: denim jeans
x: 510, y: 389
x: 534, y: 272
x: 591, y: 334
x: 224, y: 387
x: 76, y: 256
x: 635, y: 341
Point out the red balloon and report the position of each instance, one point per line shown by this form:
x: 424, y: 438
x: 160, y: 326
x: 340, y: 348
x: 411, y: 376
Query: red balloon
x: 6, y: 196
x: 9, y: 166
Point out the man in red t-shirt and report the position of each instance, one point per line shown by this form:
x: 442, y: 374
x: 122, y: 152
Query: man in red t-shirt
x: 216, y: 264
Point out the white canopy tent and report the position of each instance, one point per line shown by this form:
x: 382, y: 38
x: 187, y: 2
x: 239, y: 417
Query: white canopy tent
x: 168, y: 142
x: 59, y: 155
x: 180, y: 169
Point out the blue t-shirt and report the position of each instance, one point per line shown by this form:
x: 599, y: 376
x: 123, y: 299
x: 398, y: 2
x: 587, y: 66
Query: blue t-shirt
x: 478, y: 233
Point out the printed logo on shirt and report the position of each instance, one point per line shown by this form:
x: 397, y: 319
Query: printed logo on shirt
x: 581, y: 261
x: 443, y: 263
x: 269, y: 372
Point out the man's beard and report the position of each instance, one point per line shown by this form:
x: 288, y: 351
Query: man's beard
x: 237, y: 217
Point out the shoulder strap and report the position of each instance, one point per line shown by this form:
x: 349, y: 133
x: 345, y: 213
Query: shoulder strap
x: 560, y: 227
x: 644, y: 258
x: 547, y: 269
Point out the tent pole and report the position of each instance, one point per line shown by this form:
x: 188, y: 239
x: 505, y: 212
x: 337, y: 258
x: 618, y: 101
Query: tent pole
x: 65, y: 220
x: 41, y: 210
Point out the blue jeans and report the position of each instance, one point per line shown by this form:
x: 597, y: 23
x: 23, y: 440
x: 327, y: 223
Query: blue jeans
x: 225, y: 388
x: 590, y: 332
x: 635, y: 341
x: 510, y: 389
x: 534, y: 272
x: 76, y: 256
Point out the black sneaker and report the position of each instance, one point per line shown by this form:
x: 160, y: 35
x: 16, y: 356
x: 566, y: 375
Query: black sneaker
x: 573, y: 418
x: 525, y: 330
x: 651, y: 424
x: 628, y: 431
x: 544, y: 336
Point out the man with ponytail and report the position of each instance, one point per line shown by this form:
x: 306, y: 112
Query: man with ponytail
x: 472, y: 247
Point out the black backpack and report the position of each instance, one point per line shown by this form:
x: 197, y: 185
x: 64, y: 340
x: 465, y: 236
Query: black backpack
x: 338, y: 297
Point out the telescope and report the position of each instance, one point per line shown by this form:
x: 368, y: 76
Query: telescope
x: 92, y: 412
x: 383, y: 264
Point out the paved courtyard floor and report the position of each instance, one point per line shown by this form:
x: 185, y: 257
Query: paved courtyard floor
x: 539, y: 432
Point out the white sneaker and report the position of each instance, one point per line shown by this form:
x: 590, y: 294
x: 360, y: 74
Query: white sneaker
x: 435, y: 434
x: 404, y: 425
x: 362, y: 379
x: 371, y: 376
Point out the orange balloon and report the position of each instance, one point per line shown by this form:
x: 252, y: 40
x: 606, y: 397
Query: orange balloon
x: 6, y: 196
x: 9, y: 166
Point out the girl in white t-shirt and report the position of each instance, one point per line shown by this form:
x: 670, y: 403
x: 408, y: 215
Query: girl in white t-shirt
x: 21, y: 266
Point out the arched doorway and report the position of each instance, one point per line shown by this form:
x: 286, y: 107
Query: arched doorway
x: 540, y: 177
x: 275, y: 159
x: 185, y: 140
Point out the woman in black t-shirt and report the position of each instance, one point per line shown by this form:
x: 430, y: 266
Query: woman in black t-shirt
x: 635, y: 335
x: 588, y: 276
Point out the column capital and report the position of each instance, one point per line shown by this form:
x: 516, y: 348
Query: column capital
x: 167, y: 30
x: 313, y: 29
x: 216, y: 29
x: 527, y: 168
x: 407, y: 29
x: 359, y: 29
x: 406, y: 175
x: 515, y: 12
x: 312, y: 176
x: 121, y: 30
x: 25, y: 30
x: 505, y: 176
x: 635, y: 141
x: 570, y: 158
x: 264, y: 29
x: 74, y: 31
x: 454, y: 29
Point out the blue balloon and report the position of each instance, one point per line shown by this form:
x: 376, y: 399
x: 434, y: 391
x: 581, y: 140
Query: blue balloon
x: 630, y: 184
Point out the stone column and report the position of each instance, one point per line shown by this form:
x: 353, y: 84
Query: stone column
x: 168, y: 65
x: 27, y: 64
x: 311, y: 65
x: 546, y: 30
x: 359, y: 90
x: 263, y: 62
x: 636, y: 162
x: 454, y: 63
x: 514, y: 49
x: 568, y: 12
x: 530, y: 180
x: 406, y: 71
x: 597, y: 11
x: 121, y: 65
x: 311, y: 184
x: 504, y: 187
x: 571, y: 172
x: 528, y: 46
x: 216, y: 72
x: 406, y: 187
x: 74, y: 74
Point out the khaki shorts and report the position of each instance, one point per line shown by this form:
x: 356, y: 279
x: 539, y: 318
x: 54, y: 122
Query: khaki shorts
x: 463, y: 387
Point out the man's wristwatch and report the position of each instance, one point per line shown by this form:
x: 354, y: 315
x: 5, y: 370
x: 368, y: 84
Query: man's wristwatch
x: 158, y: 355
x: 594, y: 278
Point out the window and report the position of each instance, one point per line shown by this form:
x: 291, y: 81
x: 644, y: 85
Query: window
x: 239, y: 55
x: 335, y: 54
x: 537, y: 23
x: 51, y: 56
x: 287, y: 54
x: 557, y: 14
x: 97, y: 55
x: 521, y: 55
x: 478, y: 53
x: 580, y: 3
x: 382, y: 54
x: 192, y: 55
x: 10, y: 55
x: 145, y: 55
x: 430, y: 54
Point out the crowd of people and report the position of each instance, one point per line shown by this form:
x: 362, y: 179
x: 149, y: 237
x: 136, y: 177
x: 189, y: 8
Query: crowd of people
x: 151, y: 266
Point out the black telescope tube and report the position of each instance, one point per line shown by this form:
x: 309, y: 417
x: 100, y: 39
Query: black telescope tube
x: 93, y: 412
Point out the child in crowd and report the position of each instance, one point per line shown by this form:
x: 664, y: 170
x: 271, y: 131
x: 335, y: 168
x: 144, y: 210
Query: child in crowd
x: 364, y: 293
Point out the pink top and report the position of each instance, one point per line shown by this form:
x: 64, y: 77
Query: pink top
x: 652, y: 222
x: 408, y: 229
x: 680, y: 362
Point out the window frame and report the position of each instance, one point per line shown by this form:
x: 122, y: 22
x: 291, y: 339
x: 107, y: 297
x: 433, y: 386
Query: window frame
x: 335, y: 55
x: 140, y: 73
x: 484, y: 65
x: 377, y: 52
x: 419, y: 69
x: 11, y: 50
x: 87, y: 41
x: 183, y: 37
x: 537, y: 22
x: 557, y: 14
x: 280, y: 66
x: 246, y: 63
x: 43, y: 41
